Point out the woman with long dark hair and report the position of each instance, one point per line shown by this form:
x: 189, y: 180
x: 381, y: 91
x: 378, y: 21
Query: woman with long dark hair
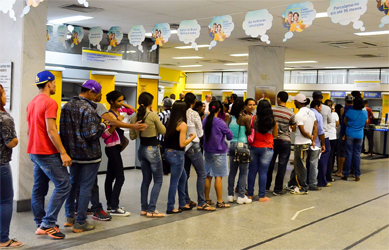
x: 266, y: 129
x: 223, y: 114
x: 175, y: 142
x: 215, y: 152
x: 200, y: 108
x: 8, y: 140
x: 149, y: 154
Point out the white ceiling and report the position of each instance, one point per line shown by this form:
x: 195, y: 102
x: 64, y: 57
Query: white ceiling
x: 305, y: 46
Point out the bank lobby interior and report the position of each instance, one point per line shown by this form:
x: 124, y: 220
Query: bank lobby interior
x: 335, y: 59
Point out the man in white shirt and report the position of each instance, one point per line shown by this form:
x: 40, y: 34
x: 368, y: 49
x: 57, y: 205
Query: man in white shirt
x: 208, y: 99
x: 306, y: 131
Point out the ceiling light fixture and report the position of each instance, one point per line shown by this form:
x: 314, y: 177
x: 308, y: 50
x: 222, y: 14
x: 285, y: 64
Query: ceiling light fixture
x: 239, y: 55
x: 236, y: 64
x: 373, y: 33
x: 70, y: 19
x: 173, y: 31
x: 341, y: 67
x: 288, y: 68
x: 321, y: 14
x: 190, y: 66
x: 294, y: 62
x: 188, y: 57
x: 190, y: 47
x: 148, y: 34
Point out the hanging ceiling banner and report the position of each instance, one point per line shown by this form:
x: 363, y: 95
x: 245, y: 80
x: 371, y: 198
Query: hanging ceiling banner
x: 297, y: 18
x: 220, y: 29
x: 257, y: 23
x: 84, y: 2
x: 6, y: 6
x: 62, y: 32
x: 188, y: 32
x: 136, y: 36
x: 33, y: 3
x: 115, y: 36
x: 49, y: 32
x: 160, y: 35
x: 95, y: 37
x: 346, y: 11
x: 77, y: 36
x: 383, y: 5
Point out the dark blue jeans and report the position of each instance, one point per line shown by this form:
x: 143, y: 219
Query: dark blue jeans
x: 151, y: 165
x: 82, y: 176
x: 6, y: 201
x: 177, y: 178
x: 282, y: 150
x: 194, y: 156
x: 353, y: 156
x: 243, y: 170
x: 323, y: 163
x: 260, y: 161
x: 48, y: 168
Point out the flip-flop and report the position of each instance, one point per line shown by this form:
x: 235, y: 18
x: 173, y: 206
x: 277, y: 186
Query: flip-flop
x: 11, y: 242
x: 266, y: 199
x: 206, y: 207
x: 155, y: 214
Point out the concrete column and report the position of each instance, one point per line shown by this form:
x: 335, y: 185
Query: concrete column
x: 23, y: 42
x: 266, y: 68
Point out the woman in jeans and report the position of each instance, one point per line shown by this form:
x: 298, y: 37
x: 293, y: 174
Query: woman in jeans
x: 266, y: 129
x: 240, y: 127
x: 175, y: 142
x: 194, y: 156
x: 215, y: 152
x: 115, y: 143
x: 355, y: 120
x: 8, y: 141
x: 149, y: 154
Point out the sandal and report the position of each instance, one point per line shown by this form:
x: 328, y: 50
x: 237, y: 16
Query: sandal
x: 192, y: 204
x: 12, y: 241
x: 206, y: 207
x: 155, y: 214
x: 143, y: 213
x: 185, y: 208
x: 209, y: 202
x: 174, y: 212
x: 264, y: 199
x: 222, y: 205
x: 337, y: 175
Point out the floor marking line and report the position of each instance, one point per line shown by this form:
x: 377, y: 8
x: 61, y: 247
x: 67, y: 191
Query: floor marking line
x: 367, y: 237
x: 313, y: 222
x: 298, y: 212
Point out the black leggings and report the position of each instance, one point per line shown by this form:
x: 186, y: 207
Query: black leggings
x: 114, y: 172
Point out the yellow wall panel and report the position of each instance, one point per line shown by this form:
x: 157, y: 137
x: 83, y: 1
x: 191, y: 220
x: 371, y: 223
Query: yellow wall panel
x: 148, y: 85
x: 204, y: 93
x: 171, y: 75
x: 290, y: 103
x: 107, y: 83
x: 58, y: 92
x: 385, y: 105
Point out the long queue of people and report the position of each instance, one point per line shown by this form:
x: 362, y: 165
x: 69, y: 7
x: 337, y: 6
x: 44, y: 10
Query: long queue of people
x: 209, y: 136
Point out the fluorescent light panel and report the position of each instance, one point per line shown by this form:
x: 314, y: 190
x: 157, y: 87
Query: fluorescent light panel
x: 70, y: 19
x: 239, y: 55
x: 341, y: 67
x: 321, y: 14
x: 235, y: 64
x: 190, y: 66
x: 295, y: 62
x: 188, y: 57
x: 373, y: 33
x: 190, y: 47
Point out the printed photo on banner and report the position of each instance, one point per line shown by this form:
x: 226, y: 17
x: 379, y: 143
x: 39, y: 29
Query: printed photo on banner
x: 297, y: 18
x: 345, y: 12
x: 383, y: 5
x: 160, y: 35
x: 49, y: 32
x: 220, y: 29
x: 77, y: 35
x: 267, y: 93
x: 115, y: 36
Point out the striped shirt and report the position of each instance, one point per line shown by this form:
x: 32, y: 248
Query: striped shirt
x: 163, y: 117
x: 284, y: 117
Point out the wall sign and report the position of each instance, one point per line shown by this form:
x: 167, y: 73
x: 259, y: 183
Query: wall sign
x: 160, y: 35
x: 188, y: 32
x: 347, y: 11
x: 93, y: 58
x: 6, y: 81
x: 371, y: 94
x: 297, y: 18
x: 257, y: 23
x: 77, y: 36
x: 366, y: 85
x: 137, y: 36
x: 337, y: 94
x: 115, y: 36
x: 220, y: 29
x: 95, y: 37
x: 62, y: 32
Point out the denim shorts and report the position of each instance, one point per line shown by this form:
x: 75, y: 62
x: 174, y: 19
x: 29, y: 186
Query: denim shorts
x: 215, y: 164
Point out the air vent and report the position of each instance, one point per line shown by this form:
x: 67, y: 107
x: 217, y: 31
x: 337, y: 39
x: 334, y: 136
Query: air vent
x: 370, y: 44
x: 368, y: 55
x: 250, y: 39
x: 174, y: 26
x: 81, y: 8
x: 216, y: 61
x: 168, y: 64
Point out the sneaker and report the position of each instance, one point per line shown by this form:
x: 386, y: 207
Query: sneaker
x: 236, y: 195
x: 314, y: 188
x: 244, y: 200
x: 282, y: 192
x: 69, y: 222
x: 89, y: 211
x: 230, y: 198
x: 290, y: 188
x: 53, y: 232
x: 120, y: 212
x: 78, y: 228
x: 101, y: 215
x: 297, y: 191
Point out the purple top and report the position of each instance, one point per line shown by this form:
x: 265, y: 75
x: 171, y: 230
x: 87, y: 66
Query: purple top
x: 216, y: 143
x: 222, y: 115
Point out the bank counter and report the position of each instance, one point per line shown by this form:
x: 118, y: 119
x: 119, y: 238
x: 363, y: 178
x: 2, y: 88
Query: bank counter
x: 381, y: 142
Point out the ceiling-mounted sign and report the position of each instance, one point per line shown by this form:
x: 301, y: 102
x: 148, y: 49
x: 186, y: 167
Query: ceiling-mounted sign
x: 95, y: 37
x: 346, y: 11
x: 77, y: 36
x: 115, y: 36
x: 49, y: 32
x: 188, y: 32
x: 6, y: 6
x: 297, y: 18
x: 137, y: 36
x: 6, y: 82
x: 220, y: 29
x: 371, y: 94
x: 84, y: 2
x: 257, y: 23
x: 383, y: 5
x: 160, y: 35
x: 62, y: 32
x: 338, y: 94
x: 29, y: 3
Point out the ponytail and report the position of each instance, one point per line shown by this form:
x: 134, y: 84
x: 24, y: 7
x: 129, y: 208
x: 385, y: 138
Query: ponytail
x: 145, y: 99
x: 214, y: 107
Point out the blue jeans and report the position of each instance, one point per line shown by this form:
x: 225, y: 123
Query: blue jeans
x: 82, y: 177
x: 6, y: 201
x: 282, y: 150
x: 243, y: 170
x: 312, y: 167
x: 353, y: 156
x: 151, y: 165
x: 48, y: 168
x: 177, y: 178
x: 260, y: 161
x: 323, y: 162
x: 193, y: 156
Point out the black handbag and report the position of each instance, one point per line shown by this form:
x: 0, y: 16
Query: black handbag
x: 242, y: 152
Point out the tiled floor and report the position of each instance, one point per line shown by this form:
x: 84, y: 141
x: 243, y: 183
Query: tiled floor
x: 347, y: 215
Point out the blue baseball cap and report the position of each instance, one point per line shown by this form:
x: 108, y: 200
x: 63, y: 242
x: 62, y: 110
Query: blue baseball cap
x: 43, y: 77
x: 92, y: 85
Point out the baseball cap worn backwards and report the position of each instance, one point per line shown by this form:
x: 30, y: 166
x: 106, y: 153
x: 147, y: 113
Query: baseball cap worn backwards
x: 300, y: 98
x: 43, y: 77
x: 92, y: 85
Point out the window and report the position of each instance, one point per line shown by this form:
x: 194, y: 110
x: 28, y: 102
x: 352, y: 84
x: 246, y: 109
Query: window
x: 233, y: 77
x: 286, y: 77
x: 332, y: 76
x: 304, y: 76
x: 213, y: 77
x: 384, y: 76
x: 363, y: 75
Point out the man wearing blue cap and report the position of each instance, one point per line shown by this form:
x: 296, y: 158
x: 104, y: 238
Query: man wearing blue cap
x: 49, y: 157
x: 81, y: 129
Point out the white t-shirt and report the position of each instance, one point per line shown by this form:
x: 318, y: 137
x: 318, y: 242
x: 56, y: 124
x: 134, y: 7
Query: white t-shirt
x: 332, y: 126
x: 306, y: 118
x: 327, y: 118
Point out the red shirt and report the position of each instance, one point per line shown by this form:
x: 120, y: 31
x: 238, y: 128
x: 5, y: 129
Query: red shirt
x: 370, y: 115
x: 42, y: 107
x: 263, y: 140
